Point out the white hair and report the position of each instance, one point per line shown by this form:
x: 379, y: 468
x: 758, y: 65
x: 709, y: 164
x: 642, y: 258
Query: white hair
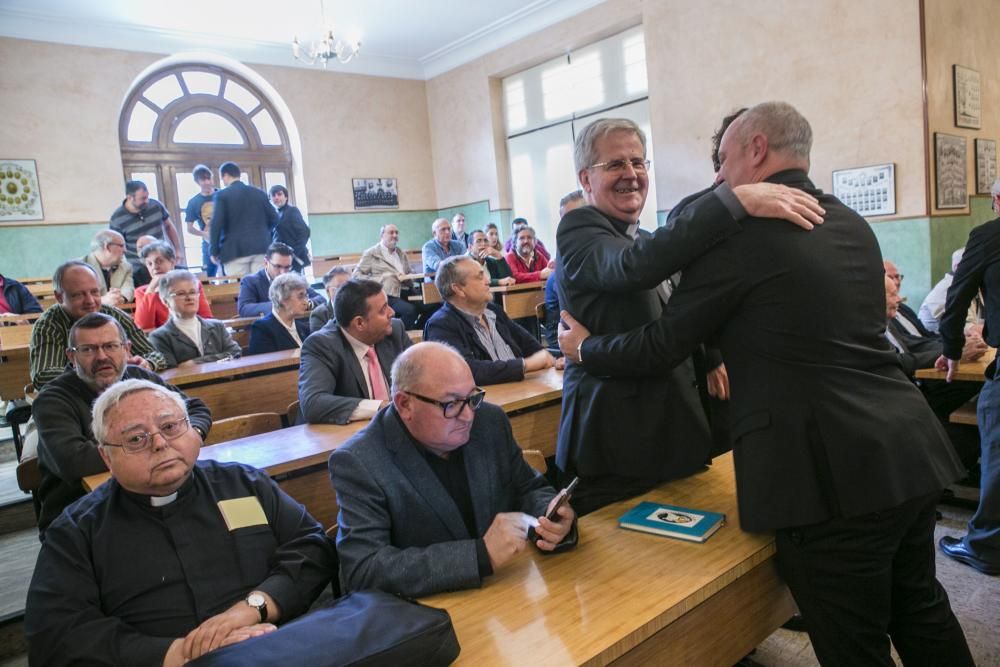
x: 114, y: 394
x: 995, y: 190
x: 283, y: 286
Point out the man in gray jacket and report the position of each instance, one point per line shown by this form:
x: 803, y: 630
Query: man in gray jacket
x: 435, y: 494
x: 386, y: 262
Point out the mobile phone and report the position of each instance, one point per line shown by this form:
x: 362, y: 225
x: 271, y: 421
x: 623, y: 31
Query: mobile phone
x: 563, y: 498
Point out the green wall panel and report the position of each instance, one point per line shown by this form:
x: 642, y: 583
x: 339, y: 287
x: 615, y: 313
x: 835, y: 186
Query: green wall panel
x: 31, y: 251
x: 907, y: 243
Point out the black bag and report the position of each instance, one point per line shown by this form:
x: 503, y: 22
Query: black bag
x: 368, y: 628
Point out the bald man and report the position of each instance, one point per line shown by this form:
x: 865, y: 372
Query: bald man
x: 434, y: 494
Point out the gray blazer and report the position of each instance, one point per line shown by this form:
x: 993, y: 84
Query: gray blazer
x: 178, y: 348
x: 374, y: 266
x: 319, y: 316
x: 331, y: 382
x: 399, y: 530
x: 121, y: 277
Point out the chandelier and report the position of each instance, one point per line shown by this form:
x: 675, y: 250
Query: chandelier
x: 328, y: 48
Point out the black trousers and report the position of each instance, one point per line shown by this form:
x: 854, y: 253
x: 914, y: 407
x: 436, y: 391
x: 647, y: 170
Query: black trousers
x: 861, y: 581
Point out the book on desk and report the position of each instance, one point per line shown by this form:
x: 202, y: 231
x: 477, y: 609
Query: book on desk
x: 680, y: 523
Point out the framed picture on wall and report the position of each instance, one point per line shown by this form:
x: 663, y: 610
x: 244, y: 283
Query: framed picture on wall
x: 949, y: 169
x: 986, y: 165
x: 868, y: 190
x: 20, y: 197
x: 375, y: 193
x: 968, y: 112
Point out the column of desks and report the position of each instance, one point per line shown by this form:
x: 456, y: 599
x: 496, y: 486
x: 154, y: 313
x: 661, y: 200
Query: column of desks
x: 517, y: 300
x: 974, y: 371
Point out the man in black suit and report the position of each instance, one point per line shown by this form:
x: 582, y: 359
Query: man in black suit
x: 906, y: 321
x: 243, y: 222
x: 835, y: 449
x: 624, y: 436
x: 978, y: 271
x: 345, y: 365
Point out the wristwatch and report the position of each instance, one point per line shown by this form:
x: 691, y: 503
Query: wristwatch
x: 258, y: 602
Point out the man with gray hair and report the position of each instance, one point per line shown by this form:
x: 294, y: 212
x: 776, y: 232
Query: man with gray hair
x: 624, y: 436
x: 847, y: 482
x: 387, y: 263
x: 78, y: 292
x: 440, y: 246
x: 979, y: 272
x: 107, y: 252
x: 98, y: 351
x: 172, y: 557
x: 496, y: 348
x: 434, y: 494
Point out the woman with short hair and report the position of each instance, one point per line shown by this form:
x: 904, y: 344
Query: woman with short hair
x: 283, y: 329
x: 187, y: 338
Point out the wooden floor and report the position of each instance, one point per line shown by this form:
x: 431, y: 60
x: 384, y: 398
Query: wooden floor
x: 18, y: 552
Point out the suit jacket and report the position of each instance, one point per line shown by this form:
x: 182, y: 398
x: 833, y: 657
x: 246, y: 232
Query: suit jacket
x: 824, y: 421
x: 292, y: 230
x: 374, y: 266
x: 254, y: 301
x: 449, y: 326
x: 319, y: 316
x: 19, y: 298
x: 243, y: 222
x: 654, y: 427
x: 399, y: 530
x: 177, y: 348
x: 914, y: 319
x: 919, y: 351
x: 269, y: 335
x: 978, y: 270
x: 331, y: 382
x: 121, y: 277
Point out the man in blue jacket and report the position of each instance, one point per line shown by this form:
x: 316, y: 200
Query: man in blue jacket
x: 497, y: 349
x: 243, y: 222
x: 15, y: 299
x: 254, y: 300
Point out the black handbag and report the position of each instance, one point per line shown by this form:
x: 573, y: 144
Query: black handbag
x: 365, y: 628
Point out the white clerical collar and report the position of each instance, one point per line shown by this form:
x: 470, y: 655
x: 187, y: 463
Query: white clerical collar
x: 160, y: 501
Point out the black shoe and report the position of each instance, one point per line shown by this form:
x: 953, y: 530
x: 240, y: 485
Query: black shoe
x: 795, y: 623
x: 956, y: 548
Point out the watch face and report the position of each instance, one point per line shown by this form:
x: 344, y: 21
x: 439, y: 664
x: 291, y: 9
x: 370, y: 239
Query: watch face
x: 255, y: 600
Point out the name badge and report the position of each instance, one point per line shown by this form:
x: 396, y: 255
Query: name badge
x: 242, y: 512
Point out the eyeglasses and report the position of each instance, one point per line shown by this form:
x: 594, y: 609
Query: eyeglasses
x: 452, y: 409
x: 281, y: 267
x: 116, y: 245
x: 613, y: 166
x: 181, y: 295
x: 140, y: 442
x: 108, y: 348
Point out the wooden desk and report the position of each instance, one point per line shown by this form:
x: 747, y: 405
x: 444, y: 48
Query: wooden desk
x: 519, y: 300
x: 221, y: 298
x: 630, y: 598
x: 967, y: 371
x: 297, y: 456
x: 14, y: 369
x: 259, y: 383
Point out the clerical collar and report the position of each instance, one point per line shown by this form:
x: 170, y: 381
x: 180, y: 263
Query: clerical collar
x: 160, y: 501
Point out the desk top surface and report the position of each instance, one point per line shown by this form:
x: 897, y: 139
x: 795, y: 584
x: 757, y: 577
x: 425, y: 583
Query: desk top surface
x: 613, y: 591
x: 214, y: 370
x: 967, y: 371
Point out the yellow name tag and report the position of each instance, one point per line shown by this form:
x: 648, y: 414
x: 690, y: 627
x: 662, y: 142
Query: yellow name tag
x: 242, y: 512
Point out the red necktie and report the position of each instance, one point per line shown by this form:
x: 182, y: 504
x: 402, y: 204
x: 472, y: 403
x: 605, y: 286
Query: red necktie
x: 379, y: 392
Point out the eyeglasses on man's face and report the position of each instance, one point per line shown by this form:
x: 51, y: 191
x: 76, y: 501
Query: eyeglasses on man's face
x: 90, y: 350
x: 638, y: 164
x: 137, y: 443
x: 452, y: 409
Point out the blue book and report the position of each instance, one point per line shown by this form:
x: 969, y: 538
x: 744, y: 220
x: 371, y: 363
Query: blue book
x: 672, y: 521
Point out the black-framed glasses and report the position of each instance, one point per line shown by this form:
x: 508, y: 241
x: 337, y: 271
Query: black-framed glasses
x: 638, y: 164
x: 137, y: 443
x: 108, y: 348
x: 452, y: 409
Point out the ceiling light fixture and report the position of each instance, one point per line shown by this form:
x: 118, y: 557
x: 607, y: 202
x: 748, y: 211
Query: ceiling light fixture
x: 328, y: 48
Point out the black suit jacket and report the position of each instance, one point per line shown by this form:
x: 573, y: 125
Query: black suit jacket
x: 648, y: 427
x: 978, y: 270
x: 243, y: 222
x: 269, y: 335
x: 825, y: 422
x: 448, y: 325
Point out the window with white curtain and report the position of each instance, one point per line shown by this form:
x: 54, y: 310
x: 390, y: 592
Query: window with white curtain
x: 546, y: 105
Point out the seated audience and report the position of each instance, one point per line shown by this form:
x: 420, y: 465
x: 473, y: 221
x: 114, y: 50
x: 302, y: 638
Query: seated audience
x: 98, y: 353
x: 494, y: 245
x: 187, y: 338
x: 386, y: 263
x: 332, y: 281
x: 345, y: 364
x: 284, y: 327
x: 292, y: 229
x: 150, y: 310
x: 16, y: 299
x: 254, y: 299
x: 434, y: 493
x: 440, y: 247
x: 107, y: 252
x: 172, y: 557
x: 78, y: 293
x: 530, y: 263
x: 916, y: 352
x: 479, y: 250
x: 932, y: 307
x: 140, y: 274
x: 496, y: 348
x: 515, y: 226
x: 905, y: 321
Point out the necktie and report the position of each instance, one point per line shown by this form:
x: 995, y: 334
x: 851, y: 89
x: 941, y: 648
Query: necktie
x: 379, y: 392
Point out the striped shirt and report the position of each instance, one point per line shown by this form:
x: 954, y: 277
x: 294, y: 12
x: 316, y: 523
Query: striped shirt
x: 50, y: 338
x: 491, y: 339
x: 150, y: 220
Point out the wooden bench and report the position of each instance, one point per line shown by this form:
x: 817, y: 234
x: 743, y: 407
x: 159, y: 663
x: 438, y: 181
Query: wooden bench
x: 966, y: 414
x: 222, y: 298
x: 14, y: 369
